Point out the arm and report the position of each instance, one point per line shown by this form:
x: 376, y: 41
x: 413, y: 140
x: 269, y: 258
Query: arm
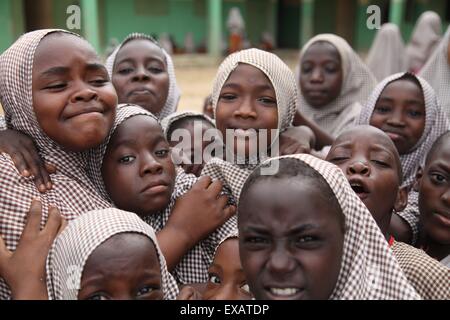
x: 195, y: 215
x: 322, y: 138
x: 294, y: 140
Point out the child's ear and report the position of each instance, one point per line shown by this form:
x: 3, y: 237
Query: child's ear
x: 419, y: 175
x: 402, y: 199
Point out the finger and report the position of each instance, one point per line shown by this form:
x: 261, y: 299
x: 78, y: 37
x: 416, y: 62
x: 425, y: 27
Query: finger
x: 54, y: 222
x: 216, y: 187
x: 46, y: 177
x: 51, y: 168
x: 33, y: 224
x: 64, y: 224
x: 222, y: 201
x: 19, y: 162
x: 35, y: 165
x: 203, y: 182
x: 229, y: 211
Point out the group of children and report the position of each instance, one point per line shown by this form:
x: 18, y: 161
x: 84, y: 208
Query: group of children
x: 99, y: 201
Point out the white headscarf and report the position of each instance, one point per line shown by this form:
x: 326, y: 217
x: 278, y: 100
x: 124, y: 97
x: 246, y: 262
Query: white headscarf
x: 436, y: 123
x: 437, y: 72
x: 282, y: 79
x: 173, y: 95
x: 235, y: 22
x: 387, y: 53
x: 72, y: 248
x: 425, y: 38
x: 357, y: 83
x: 167, y: 122
x: 369, y: 270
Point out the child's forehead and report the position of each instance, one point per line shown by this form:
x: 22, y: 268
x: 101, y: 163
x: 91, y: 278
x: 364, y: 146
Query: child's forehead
x: 137, y: 125
x: 404, y: 84
x: 142, y: 47
x: 322, y: 47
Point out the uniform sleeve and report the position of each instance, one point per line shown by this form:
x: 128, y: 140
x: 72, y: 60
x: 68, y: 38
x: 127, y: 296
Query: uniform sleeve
x: 411, y: 214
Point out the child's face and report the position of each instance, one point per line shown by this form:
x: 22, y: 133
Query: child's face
x: 434, y: 195
x: 226, y: 277
x: 247, y: 101
x: 140, y: 75
x: 73, y: 98
x: 321, y: 74
x: 400, y: 112
x: 137, y: 169
x: 368, y: 159
x: 124, y: 267
x: 290, y: 240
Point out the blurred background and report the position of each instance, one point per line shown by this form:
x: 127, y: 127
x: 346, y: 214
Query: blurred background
x: 199, y: 32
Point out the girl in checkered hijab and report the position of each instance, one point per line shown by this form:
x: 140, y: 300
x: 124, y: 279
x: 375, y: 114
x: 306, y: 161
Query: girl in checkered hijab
x: 54, y: 89
x: 405, y: 107
x: 334, y: 83
x: 305, y: 234
x: 143, y: 73
x: 94, y: 244
x: 134, y: 170
x: 254, y: 99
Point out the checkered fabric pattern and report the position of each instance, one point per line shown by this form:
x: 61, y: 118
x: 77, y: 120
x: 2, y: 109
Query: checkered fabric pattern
x: 411, y: 214
x: 193, y: 268
x: 2, y: 123
x: 357, y: 83
x: 173, y: 96
x: 369, y: 269
x: 437, y: 72
x: 72, y: 248
x: 72, y: 191
x: 430, y: 278
x: 283, y: 81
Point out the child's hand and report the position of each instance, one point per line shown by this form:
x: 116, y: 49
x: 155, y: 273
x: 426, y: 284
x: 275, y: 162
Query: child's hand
x: 189, y: 293
x: 201, y: 210
x: 296, y: 140
x: 24, y: 269
x: 23, y: 153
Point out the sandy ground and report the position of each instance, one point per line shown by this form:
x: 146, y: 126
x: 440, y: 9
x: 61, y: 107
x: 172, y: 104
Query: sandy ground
x: 195, y: 74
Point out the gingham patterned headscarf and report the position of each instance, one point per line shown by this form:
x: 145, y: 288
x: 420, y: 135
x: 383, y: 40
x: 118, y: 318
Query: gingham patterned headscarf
x: 173, y: 95
x: 387, y: 53
x: 193, y: 268
x: 369, y: 270
x: 436, y: 123
x: 357, y: 83
x: 424, y: 40
x: 72, y: 190
x: 437, y: 72
x: 167, y: 122
x: 283, y: 81
x: 73, y: 247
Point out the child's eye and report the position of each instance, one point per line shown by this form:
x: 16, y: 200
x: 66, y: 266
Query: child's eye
x: 306, y: 68
x: 97, y: 296
x: 437, y: 178
x: 155, y: 70
x: 162, y: 153
x: 125, y: 71
x: 145, y: 290
x: 338, y: 159
x: 382, y: 109
x: 256, y: 242
x: 127, y: 159
x: 99, y: 82
x: 56, y: 86
x: 267, y: 100
x: 306, y: 241
x: 227, y: 96
x: 245, y: 288
x: 380, y: 162
x: 214, y: 279
x: 331, y: 68
x: 415, y: 114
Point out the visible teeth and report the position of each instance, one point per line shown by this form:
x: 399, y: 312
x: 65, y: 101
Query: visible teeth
x: 284, y: 292
x: 245, y: 133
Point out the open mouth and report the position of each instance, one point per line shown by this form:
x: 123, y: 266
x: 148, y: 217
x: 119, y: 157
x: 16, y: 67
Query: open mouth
x: 140, y: 92
x: 360, y: 188
x: 395, y: 135
x: 284, y: 293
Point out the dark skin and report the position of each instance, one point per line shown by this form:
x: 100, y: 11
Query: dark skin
x: 73, y: 100
x: 140, y: 75
x: 208, y: 107
x: 433, y: 185
x: 372, y: 166
x: 199, y: 148
x: 290, y: 240
x: 139, y: 176
x: 247, y: 101
x: 321, y: 77
x: 400, y: 113
x: 110, y: 275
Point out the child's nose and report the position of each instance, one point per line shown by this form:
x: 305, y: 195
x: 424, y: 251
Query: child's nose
x: 224, y: 292
x: 396, y: 119
x: 141, y: 74
x: 359, y: 167
x: 246, y: 109
x: 316, y: 75
x: 446, y: 197
x: 149, y: 165
x: 85, y: 94
x: 280, y: 262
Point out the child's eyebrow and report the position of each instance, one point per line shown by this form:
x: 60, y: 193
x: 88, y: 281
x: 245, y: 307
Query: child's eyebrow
x: 303, y: 227
x: 95, y: 67
x: 440, y: 164
x: 55, y: 71
x: 261, y: 87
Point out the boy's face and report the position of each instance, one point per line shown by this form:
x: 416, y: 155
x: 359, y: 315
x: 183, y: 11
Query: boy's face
x: 124, y: 267
x: 290, y: 240
x: 371, y: 164
x: 400, y: 113
x: 321, y: 74
x: 140, y: 75
x: 137, y: 169
x: 434, y: 195
x: 247, y: 101
x: 73, y: 98
x: 226, y: 277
